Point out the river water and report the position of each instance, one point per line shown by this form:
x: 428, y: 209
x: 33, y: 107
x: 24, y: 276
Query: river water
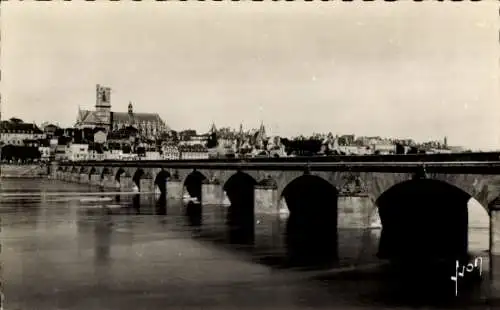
x: 62, y: 249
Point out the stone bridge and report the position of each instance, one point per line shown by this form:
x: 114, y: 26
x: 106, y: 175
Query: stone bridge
x: 417, y: 198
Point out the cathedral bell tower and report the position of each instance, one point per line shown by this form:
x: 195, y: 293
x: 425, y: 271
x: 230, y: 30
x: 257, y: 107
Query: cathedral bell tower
x: 103, y: 106
x: 130, y: 114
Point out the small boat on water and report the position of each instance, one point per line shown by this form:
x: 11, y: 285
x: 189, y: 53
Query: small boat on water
x: 95, y: 199
x: 186, y: 199
x: 377, y: 224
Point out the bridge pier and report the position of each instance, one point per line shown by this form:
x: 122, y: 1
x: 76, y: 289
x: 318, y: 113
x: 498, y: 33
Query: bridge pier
x: 109, y: 182
x: 126, y: 183
x: 354, y: 218
x: 146, y: 184
x: 67, y: 176
x: 495, y: 231
x: 174, y: 188
x: 268, y: 228
x: 75, y: 177
x: 54, y: 170
x: 211, y: 192
x: 84, y: 178
x: 95, y: 179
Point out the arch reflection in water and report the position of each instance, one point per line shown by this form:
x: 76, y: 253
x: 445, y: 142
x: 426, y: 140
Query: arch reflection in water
x: 240, y: 217
x: 194, y: 214
x: 161, y: 204
x: 424, y: 233
x: 136, y: 203
x: 102, y: 233
x: 161, y: 181
x: 193, y: 185
x: 311, y: 229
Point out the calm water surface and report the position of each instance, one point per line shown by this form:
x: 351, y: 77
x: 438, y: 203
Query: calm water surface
x: 60, y: 250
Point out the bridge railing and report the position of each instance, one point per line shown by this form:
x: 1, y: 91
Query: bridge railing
x: 454, y: 157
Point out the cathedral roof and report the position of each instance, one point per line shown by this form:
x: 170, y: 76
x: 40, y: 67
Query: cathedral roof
x: 8, y: 126
x: 138, y: 117
x: 86, y: 116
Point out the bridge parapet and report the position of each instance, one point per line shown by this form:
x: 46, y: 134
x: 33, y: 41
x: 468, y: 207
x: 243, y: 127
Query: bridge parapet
x: 416, y: 158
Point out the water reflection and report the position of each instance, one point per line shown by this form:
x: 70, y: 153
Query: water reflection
x: 136, y: 203
x: 169, y: 265
x: 194, y: 214
x: 240, y: 219
x: 102, y: 234
x: 161, y: 204
x: 311, y: 229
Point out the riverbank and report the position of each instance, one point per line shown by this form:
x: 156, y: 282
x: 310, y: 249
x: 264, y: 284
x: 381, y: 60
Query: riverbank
x: 22, y: 171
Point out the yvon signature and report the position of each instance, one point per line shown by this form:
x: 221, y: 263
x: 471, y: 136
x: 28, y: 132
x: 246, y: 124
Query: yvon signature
x: 478, y: 263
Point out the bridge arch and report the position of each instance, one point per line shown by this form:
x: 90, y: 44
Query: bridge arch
x: 136, y: 178
x: 193, y: 184
x: 311, y: 230
x: 92, y: 171
x: 423, y: 218
x: 161, y: 180
x: 119, y: 173
x: 105, y: 171
x: 240, y: 190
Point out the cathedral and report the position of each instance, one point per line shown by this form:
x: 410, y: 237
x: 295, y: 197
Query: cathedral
x: 149, y: 125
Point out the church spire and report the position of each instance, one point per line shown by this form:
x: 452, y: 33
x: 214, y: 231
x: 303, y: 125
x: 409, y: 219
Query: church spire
x: 130, y: 108
x: 213, y: 129
x: 131, y: 114
x: 262, y: 129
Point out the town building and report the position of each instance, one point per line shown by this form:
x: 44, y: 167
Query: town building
x: 149, y: 125
x: 170, y: 152
x: 193, y: 152
x: 50, y: 130
x: 16, y: 132
x: 76, y: 152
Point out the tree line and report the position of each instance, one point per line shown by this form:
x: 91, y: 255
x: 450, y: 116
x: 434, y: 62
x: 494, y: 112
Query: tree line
x: 16, y: 152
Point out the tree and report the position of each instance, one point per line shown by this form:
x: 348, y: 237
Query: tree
x: 412, y: 150
x: 12, y: 152
x: 141, y: 151
x: 58, y: 132
x: 78, y: 136
x: 127, y: 149
x: 400, y: 149
x: 88, y: 135
x: 16, y: 120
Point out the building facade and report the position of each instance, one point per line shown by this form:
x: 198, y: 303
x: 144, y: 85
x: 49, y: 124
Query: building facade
x: 149, y: 125
x: 76, y: 152
x: 16, y: 132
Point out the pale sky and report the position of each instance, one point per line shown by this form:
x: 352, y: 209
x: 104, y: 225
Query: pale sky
x: 420, y: 70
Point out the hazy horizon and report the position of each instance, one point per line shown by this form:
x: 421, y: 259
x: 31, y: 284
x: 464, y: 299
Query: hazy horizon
x: 403, y: 70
